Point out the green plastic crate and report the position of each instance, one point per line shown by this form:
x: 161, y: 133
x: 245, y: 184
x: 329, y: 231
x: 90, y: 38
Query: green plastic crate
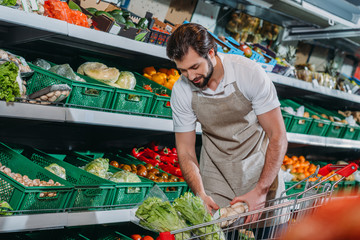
x: 161, y: 106
x: 350, y: 132
x: 105, y: 235
x: 132, y: 101
x: 89, y: 191
x: 287, y: 119
x: 298, y: 124
x: 21, y: 197
x: 296, y: 190
x: 82, y: 95
x: 92, y: 154
x: 124, y: 194
x: 172, y: 190
x: 348, y: 187
x: 60, y: 235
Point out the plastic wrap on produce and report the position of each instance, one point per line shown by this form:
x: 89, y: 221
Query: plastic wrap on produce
x: 42, y: 64
x: 53, y: 93
x: 66, y: 71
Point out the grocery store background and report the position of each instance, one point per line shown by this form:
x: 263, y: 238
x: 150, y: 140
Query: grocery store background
x: 58, y: 111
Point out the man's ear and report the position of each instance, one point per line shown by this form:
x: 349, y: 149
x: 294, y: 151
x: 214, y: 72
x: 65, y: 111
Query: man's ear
x: 211, y: 53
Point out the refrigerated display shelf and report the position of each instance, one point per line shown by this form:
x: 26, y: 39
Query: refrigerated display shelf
x: 19, y: 223
x: 92, y: 117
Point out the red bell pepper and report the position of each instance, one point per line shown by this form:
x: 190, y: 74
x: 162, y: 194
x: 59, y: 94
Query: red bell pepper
x: 151, y: 154
x: 167, y: 159
x: 153, y: 162
x: 165, y: 151
x: 154, y: 147
x: 136, y: 152
x: 174, y: 151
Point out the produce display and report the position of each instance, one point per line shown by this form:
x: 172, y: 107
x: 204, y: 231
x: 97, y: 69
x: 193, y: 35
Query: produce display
x: 109, y: 75
x: 159, y: 215
x: 26, y: 181
x: 165, y: 77
x: 98, y: 167
x: 57, y: 170
x: 166, y: 159
x: 139, y: 237
x: 4, y: 207
x: 9, y: 87
x: 8, y: 3
x: 193, y: 211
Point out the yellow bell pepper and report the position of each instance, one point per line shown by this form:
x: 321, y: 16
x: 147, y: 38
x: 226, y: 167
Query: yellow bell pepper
x: 173, y: 72
x: 149, y: 70
x: 168, y: 85
x: 158, y: 78
x: 147, y: 76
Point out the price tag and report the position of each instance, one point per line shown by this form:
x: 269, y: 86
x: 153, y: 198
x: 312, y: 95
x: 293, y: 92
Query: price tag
x: 168, y: 28
x: 34, y: 5
x: 115, y: 29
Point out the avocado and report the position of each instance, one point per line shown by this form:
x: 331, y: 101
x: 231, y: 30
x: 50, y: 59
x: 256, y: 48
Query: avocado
x: 98, y: 13
x: 119, y: 19
x: 92, y: 10
x: 129, y: 24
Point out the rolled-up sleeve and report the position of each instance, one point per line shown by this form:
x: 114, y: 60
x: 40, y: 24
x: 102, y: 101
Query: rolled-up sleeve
x: 184, y: 118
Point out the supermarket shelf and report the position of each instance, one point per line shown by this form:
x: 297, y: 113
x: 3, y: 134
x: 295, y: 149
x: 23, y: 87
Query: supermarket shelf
x: 44, y: 221
x: 32, y: 112
x: 322, y: 141
x: 292, y: 87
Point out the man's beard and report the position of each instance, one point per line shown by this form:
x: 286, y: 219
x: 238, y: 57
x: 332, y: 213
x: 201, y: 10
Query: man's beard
x: 207, y: 78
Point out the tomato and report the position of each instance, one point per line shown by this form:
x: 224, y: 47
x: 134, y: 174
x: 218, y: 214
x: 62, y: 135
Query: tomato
x: 136, y: 237
x: 147, y: 238
x: 114, y: 164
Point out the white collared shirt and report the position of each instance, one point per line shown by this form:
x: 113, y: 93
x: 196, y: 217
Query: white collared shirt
x: 251, y: 79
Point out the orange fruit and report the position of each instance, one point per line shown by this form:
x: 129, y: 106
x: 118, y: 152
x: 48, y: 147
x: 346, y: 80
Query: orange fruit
x: 147, y: 76
x: 295, y: 158
x: 302, y: 159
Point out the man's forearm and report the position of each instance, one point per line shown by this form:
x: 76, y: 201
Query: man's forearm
x: 190, y: 170
x: 273, y: 159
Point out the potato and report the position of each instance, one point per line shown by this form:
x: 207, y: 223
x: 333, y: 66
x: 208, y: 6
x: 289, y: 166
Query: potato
x: 306, y: 114
x: 324, y: 116
x: 51, y: 182
x: 42, y: 194
x: 315, y: 117
x: 50, y: 194
x: 58, y: 93
x: 53, y: 98
x: 50, y: 94
x: 32, y: 102
x: 331, y: 119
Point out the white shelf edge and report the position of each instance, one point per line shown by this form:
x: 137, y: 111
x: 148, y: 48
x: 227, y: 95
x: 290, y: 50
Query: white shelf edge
x: 294, y: 82
x: 19, y: 223
x: 32, y: 111
x: 322, y: 141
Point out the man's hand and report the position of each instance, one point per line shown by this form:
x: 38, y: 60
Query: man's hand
x: 255, y: 199
x: 209, y: 202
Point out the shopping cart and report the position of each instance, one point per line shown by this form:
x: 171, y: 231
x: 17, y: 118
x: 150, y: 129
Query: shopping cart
x: 277, y: 214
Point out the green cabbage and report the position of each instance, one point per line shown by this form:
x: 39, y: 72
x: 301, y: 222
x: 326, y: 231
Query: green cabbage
x: 126, y: 80
x: 193, y: 211
x: 124, y: 176
x: 160, y: 216
x: 98, y: 167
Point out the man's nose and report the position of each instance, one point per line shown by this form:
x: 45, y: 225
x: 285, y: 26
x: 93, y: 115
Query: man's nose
x: 191, y: 75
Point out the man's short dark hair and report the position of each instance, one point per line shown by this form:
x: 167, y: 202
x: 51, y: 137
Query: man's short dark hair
x: 190, y: 35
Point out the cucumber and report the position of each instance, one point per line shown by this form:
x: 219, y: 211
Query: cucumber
x: 129, y: 24
x: 116, y: 12
x: 99, y: 13
x: 119, y: 19
x: 92, y: 10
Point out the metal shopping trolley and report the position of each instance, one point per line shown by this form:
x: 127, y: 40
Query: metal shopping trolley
x: 277, y: 214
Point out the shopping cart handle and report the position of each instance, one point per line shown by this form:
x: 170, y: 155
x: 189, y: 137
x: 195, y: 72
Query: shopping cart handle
x: 343, y: 170
x: 166, y: 236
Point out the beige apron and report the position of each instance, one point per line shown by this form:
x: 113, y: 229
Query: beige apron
x: 233, y: 147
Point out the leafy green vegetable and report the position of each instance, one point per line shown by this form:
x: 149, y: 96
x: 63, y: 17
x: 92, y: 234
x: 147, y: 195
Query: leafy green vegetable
x: 57, y: 170
x: 160, y: 216
x: 4, y: 207
x: 8, y: 2
x: 193, y: 211
x: 9, y: 88
x: 98, y: 167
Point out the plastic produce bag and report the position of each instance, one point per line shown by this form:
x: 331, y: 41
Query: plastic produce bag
x: 66, y: 71
x: 99, y: 72
x: 287, y: 176
x: 98, y: 167
x: 53, y: 93
x: 126, y: 80
x: 194, y: 212
x: 57, y: 170
x: 42, y: 64
x: 125, y: 176
x: 60, y: 10
x: 155, y: 213
x: 24, y: 68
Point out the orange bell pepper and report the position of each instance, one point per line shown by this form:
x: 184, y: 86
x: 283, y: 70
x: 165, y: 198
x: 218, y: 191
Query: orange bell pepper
x: 158, y: 78
x: 149, y: 70
x: 173, y: 72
